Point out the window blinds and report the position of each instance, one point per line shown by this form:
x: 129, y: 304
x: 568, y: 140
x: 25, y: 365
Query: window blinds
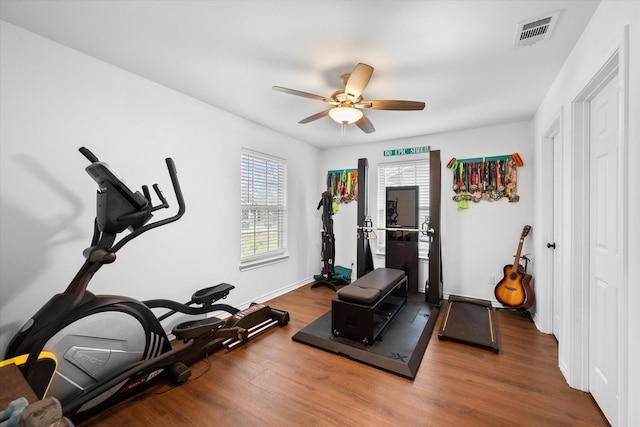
x: 262, y: 206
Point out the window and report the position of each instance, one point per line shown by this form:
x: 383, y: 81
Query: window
x: 262, y: 208
x: 399, y: 174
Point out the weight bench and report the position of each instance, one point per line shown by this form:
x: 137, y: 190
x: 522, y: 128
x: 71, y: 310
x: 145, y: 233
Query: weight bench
x: 362, y: 309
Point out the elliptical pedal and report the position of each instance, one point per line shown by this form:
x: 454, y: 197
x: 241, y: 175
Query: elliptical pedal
x: 256, y: 319
x: 253, y: 332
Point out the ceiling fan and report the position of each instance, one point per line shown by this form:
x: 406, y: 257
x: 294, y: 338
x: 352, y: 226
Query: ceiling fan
x: 347, y: 104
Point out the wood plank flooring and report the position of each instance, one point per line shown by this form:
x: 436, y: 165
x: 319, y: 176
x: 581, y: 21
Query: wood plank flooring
x: 274, y: 381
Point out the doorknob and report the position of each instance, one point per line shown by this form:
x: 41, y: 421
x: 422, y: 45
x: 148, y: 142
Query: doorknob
x: 551, y: 245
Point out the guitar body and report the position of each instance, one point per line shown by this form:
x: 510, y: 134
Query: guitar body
x: 514, y: 290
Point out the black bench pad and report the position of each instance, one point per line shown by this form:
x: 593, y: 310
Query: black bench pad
x: 368, y: 288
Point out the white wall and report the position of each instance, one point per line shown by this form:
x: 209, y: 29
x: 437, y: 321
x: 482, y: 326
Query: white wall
x: 55, y: 100
x: 600, y: 38
x: 476, y: 242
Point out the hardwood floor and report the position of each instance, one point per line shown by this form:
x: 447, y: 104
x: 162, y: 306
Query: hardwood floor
x: 274, y: 381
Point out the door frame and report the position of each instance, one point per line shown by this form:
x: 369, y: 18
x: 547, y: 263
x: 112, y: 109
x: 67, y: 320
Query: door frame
x: 577, y: 308
x: 548, y: 229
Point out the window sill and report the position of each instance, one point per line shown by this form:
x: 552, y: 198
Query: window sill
x: 250, y: 265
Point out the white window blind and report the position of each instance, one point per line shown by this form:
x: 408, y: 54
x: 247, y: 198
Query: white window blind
x: 398, y: 174
x: 262, y: 207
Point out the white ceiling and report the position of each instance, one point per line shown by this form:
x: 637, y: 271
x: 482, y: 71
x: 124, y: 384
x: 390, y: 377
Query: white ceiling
x: 457, y: 56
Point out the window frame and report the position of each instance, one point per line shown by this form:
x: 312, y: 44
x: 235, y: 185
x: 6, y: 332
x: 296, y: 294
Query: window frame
x: 257, y: 175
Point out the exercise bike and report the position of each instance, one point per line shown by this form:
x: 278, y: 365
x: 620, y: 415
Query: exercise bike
x: 90, y: 351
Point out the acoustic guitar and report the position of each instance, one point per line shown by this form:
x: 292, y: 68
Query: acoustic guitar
x: 514, y: 290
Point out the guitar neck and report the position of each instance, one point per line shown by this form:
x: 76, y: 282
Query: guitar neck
x: 516, y: 261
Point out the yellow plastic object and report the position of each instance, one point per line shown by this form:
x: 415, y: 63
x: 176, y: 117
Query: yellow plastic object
x: 44, y: 370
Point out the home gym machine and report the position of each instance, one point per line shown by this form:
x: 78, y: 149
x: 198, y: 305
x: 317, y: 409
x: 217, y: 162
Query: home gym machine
x: 331, y: 275
x: 381, y: 318
x: 104, y: 348
x: 363, y: 309
x: 403, y: 230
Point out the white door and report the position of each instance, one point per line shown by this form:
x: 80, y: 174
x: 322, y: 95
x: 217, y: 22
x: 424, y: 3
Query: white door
x: 557, y: 220
x: 604, y: 249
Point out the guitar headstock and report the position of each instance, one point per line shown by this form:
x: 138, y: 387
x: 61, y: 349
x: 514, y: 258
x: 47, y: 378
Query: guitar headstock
x: 525, y: 231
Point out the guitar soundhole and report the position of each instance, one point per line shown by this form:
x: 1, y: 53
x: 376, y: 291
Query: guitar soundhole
x: 513, y: 276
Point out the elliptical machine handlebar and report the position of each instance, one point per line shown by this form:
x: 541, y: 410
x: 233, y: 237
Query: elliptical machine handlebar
x: 88, y: 154
x: 173, y: 174
x: 119, y: 208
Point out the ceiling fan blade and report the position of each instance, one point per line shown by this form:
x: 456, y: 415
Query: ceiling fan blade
x: 392, y: 105
x: 365, y: 124
x: 358, y: 80
x: 316, y: 116
x: 301, y: 93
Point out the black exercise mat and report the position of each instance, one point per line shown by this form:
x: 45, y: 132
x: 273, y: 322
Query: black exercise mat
x: 470, y: 321
x: 400, y: 347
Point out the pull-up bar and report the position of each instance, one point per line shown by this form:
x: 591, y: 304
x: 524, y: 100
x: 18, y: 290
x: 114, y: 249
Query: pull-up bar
x: 412, y: 230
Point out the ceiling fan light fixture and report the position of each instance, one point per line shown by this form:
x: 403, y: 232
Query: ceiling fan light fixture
x: 345, y: 115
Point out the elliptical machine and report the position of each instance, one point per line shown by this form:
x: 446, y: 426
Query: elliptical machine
x: 90, y: 351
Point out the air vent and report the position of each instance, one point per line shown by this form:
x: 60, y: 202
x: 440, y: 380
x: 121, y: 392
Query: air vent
x: 534, y: 30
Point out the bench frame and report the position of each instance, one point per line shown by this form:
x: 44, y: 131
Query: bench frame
x: 364, y: 323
